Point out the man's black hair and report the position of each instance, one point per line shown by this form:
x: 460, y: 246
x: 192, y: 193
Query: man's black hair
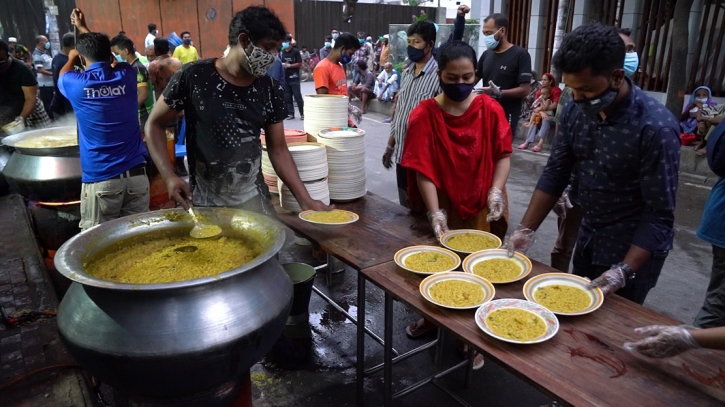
x: 123, y: 42
x: 258, y: 23
x: 161, y: 46
x: 152, y: 27
x: 122, y: 33
x: 625, y: 31
x: 348, y: 41
x: 499, y: 19
x: 455, y: 50
x: 68, y: 40
x: 4, y: 46
x: 426, y: 29
x: 184, y: 33
x: 95, y: 47
x: 328, y: 38
x: 361, y: 34
x: 288, y: 37
x: 595, y: 46
x: 335, y: 29
x: 362, y: 65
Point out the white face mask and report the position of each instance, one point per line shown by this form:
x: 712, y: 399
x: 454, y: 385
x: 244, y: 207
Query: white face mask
x: 258, y: 61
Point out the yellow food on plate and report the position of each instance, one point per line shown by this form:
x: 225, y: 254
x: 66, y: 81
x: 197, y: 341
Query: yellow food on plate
x: 516, y: 324
x: 329, y: 217
x: 471, y: 242
x: 65, y: 140
x: 429, y: 262
x: 562, y: 298
x: 498, y: 270
x: 156, y: 261
x: 457, y: 293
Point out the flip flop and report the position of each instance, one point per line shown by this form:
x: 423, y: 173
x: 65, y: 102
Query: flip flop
x: 413, y: 331
x: 523, y: 146
x: 478, y: 360
x: 536, y: 149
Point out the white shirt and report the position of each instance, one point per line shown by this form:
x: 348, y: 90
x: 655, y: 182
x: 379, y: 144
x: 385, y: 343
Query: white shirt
x: 149, y: 42
x: 44, y: 60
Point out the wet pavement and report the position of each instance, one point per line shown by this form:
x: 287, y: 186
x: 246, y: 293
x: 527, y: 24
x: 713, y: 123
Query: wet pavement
x: 317, y: 367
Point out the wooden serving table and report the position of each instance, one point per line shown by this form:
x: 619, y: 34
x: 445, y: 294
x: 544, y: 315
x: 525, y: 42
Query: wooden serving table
x: 585, y: 364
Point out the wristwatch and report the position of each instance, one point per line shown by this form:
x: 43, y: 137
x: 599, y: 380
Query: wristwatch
x: 627, y: 270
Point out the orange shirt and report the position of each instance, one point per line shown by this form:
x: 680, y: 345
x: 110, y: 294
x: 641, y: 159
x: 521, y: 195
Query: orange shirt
x: 331, y: 76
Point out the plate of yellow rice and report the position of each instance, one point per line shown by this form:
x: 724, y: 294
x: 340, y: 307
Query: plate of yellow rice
x: 517, y: 321
x: 427, y: 260
x: 457, y: 290
x: 495, y: 266
x: 563, y: 293
x: 334, y: 217
x: 467, y: 241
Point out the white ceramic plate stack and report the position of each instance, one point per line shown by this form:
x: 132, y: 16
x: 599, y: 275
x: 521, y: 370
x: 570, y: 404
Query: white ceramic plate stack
x: 310, y: 159
x: 346, y: 161
x: 318, y: 190
x: 270, y: 177
x: 324, y: 111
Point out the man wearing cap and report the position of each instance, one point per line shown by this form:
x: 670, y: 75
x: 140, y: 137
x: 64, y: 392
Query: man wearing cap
x: 20, y: 52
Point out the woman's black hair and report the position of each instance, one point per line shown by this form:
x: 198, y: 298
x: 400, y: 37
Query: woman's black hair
x: 453, y: 51
x: 258, y: 23
x: 595, y: 46
x: 346, y: 40
x: 426, y: 29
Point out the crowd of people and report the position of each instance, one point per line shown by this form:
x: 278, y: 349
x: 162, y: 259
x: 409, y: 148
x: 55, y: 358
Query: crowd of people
x: 450, y: 142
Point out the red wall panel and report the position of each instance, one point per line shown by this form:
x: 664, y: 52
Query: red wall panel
x: 136, y: 16
x: 214, y: 18
x: 181, y: 15
x: 101, y: 16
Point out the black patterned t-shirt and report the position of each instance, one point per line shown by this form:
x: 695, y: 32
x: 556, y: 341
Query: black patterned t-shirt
x: 223, y: 123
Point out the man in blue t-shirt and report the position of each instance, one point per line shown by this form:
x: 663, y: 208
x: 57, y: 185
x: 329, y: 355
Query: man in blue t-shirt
x: 112, y: 152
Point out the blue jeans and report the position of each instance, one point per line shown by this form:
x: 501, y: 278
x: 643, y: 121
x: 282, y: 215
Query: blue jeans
x: 637, y: 289
x: 543, y: 130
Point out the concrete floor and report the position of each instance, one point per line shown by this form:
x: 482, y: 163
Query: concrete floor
x: 319, y: 370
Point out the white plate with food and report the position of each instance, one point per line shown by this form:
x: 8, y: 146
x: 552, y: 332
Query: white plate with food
x: 495, y: 266
x: 467, y: 241
x: 427, y: 260
x: 563, y: 293
x: 457, y: 290
x: 334, y: 217
x: 517, y: 321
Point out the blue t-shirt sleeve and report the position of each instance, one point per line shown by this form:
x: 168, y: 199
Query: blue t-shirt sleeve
x: 68, y: 82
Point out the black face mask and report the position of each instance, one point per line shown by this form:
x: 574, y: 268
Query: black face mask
x: 457, y: 92
x: 415, y: 54
x: 594, y: 105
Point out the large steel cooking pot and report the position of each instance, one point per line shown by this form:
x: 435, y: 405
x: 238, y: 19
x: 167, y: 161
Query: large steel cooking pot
x: 49, y: 174
x: 177, y: 344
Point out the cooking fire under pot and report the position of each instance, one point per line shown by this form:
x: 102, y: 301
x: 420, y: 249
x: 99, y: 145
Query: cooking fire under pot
x: 185, y: 343
x: 45, y: 164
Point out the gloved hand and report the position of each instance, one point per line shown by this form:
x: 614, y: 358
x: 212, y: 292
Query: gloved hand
x: 562, y: 205
x: 493, y: 90
x: 519, y: 241
x: 496, y: 204
x: 662, y: 341
x: 388, y: 157
x: 438, y: 221
x: 354, y: 113
x: 610, y: 281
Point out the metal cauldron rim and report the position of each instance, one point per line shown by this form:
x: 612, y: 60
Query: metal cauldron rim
x: 73, y: 150
x: 69, y: 258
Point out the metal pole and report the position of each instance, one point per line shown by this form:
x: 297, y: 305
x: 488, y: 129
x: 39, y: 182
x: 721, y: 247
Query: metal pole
x: 561, y: 18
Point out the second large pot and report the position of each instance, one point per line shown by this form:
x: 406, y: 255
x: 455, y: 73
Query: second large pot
x: 179, y: 344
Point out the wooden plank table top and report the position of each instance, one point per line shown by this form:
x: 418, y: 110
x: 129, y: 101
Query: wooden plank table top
x: 384, y: 228
x: 585, y: 364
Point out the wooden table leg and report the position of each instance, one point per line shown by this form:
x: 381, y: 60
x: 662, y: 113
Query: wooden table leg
x: 388, y: 352
x: 360, y: 339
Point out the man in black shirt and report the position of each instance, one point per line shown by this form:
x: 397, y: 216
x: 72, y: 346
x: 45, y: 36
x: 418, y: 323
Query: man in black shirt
x: 292, y: 61
x: 60, y: 105
x: 227, y: 101
x: 18, y: 93
x: 504, y: 68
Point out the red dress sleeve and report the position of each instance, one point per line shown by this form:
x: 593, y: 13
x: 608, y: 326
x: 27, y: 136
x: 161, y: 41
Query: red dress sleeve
x: 419, y: 143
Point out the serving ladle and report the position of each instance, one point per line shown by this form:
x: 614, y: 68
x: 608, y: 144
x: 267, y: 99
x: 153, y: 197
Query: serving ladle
x: 199, y: 231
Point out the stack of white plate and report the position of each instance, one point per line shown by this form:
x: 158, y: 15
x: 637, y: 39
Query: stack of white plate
x: 270, y: 177
x: 324, y: 112
x: 318, y: 190
x: 310, y: 159
x: 346, y: 162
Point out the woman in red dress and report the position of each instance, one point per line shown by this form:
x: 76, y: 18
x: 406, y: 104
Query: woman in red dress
x: 458, y: 148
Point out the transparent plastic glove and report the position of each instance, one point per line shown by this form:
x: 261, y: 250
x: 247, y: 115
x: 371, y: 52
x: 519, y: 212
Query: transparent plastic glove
x: 494, y: 90
x: 496, y: 204
x: 354, y: 113
x: 610, y: 281
x: 519, y: 241
x: 438, y: 221
x: 662, y: 341
x: 562, y: 205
